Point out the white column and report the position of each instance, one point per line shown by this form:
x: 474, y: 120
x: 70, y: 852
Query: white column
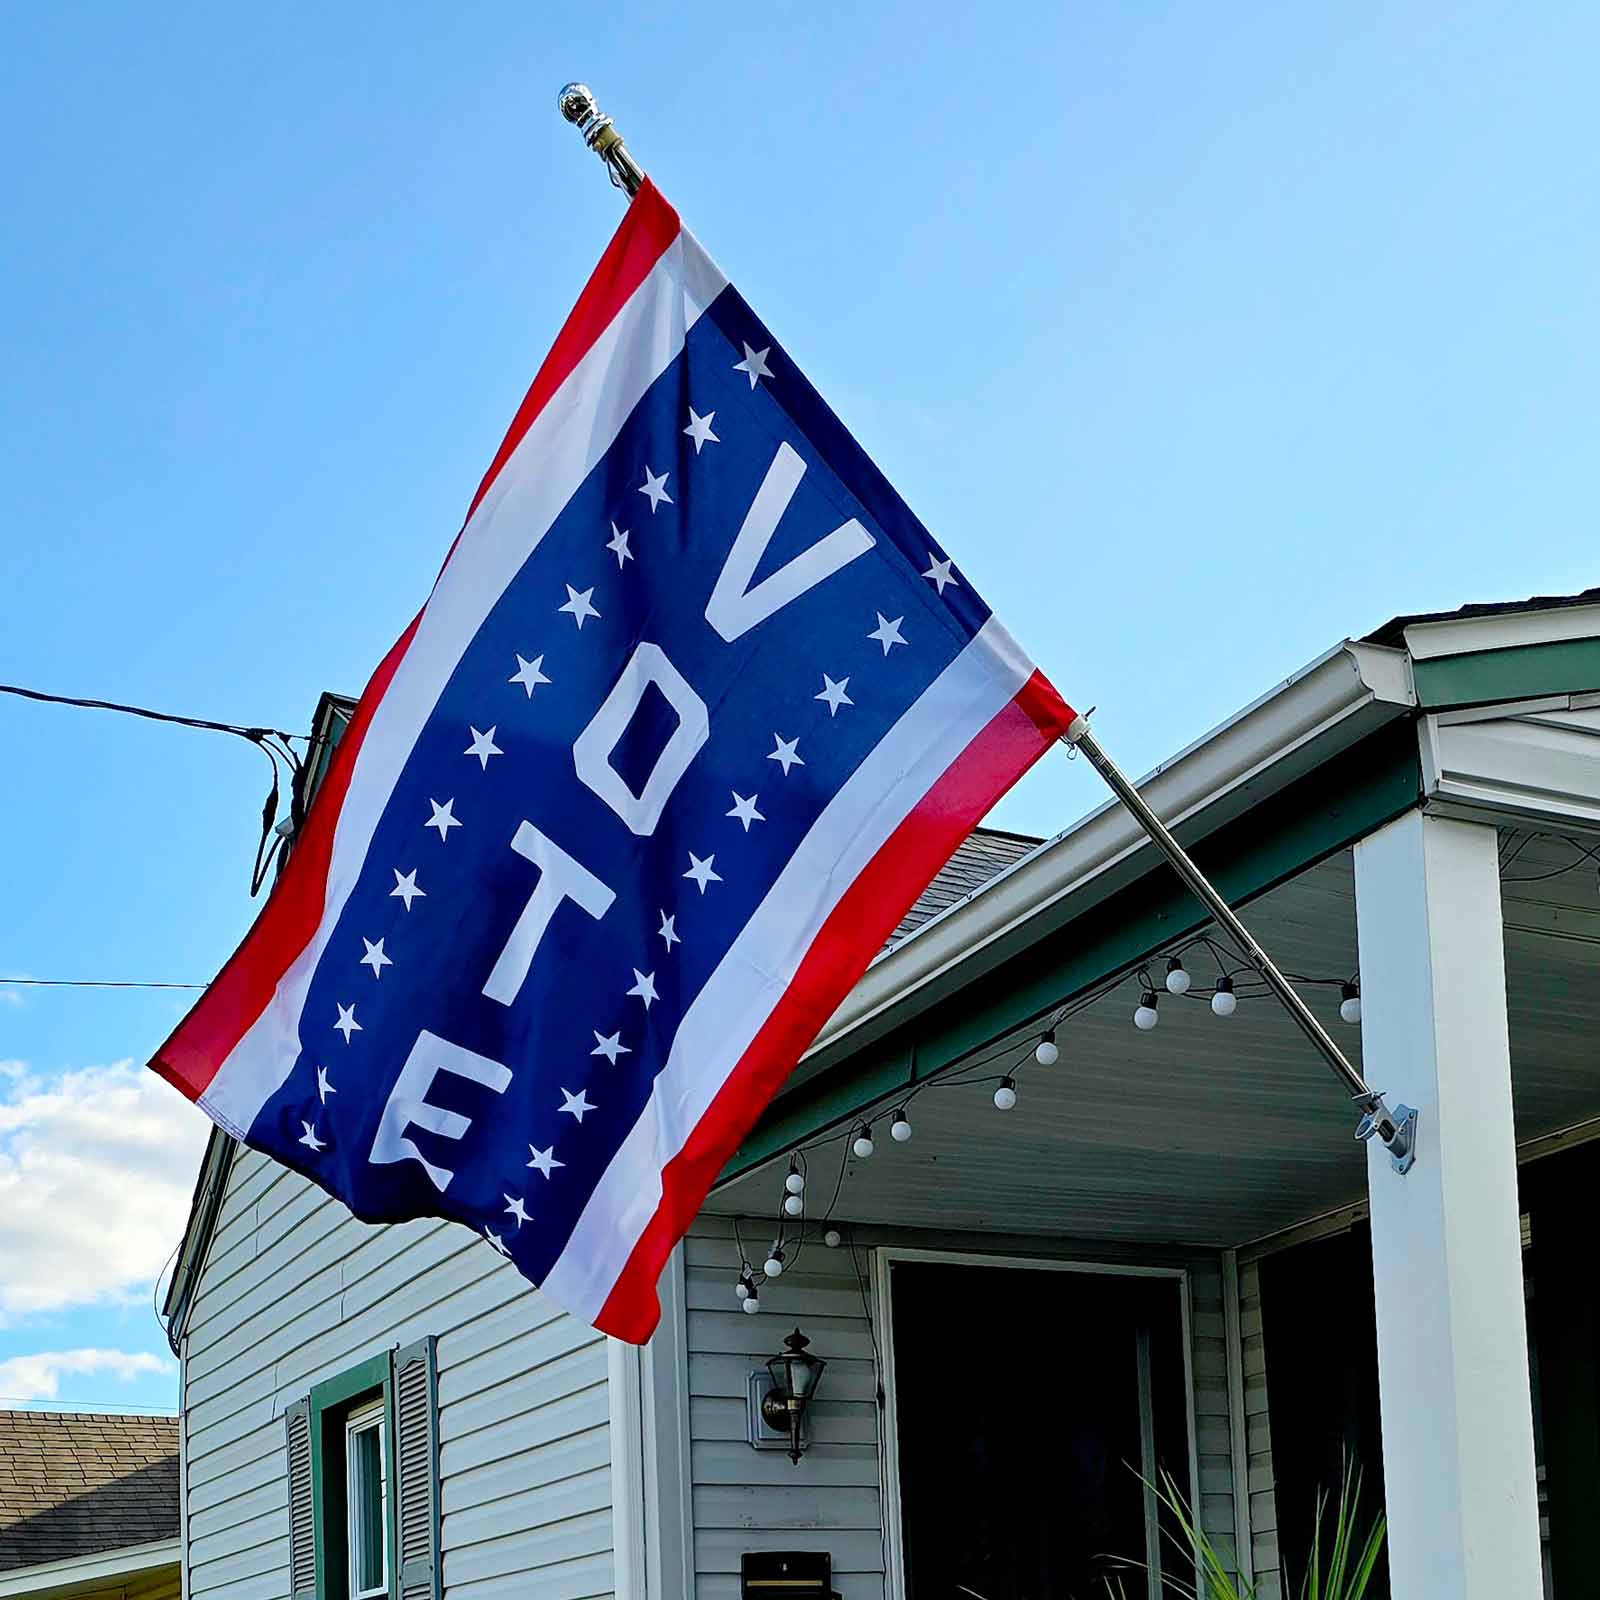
x: 1446, y: 1241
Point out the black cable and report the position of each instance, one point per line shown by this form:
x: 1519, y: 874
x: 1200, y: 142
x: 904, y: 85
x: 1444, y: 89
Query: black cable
x: 255, y: 735
x: 96, y: 983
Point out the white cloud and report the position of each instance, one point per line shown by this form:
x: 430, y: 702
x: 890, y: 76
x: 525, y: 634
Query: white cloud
x: 38, y: 1377
x: 97, y: 1167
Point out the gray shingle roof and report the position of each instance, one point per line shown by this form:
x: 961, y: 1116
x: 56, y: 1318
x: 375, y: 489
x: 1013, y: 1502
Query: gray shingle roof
x: 79, y: 1483
x: 980, y: 856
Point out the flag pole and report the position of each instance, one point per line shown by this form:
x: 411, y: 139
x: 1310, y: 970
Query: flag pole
x: 1395, y: 1130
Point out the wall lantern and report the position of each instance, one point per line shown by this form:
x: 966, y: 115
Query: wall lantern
x: 780, y: 1397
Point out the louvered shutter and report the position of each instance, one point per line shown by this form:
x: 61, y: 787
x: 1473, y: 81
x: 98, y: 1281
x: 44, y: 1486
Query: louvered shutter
x: 302, y: 1506
x: 416, y: 1456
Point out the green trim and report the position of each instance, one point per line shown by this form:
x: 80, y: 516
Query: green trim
x: 1342, y: 801
x: 1521, y: 672
x: 330, y: 1402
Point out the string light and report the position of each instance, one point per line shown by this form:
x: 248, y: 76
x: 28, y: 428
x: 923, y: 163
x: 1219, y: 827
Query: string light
x: 1177, y: 981
x: 1350, y: 1002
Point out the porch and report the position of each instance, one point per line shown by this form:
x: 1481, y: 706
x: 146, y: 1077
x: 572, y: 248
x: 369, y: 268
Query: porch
x: 1429, y: 847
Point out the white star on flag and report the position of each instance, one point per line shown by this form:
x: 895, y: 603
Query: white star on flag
x: 375, y: 958
x: 754, y: 363
x: 574, y: 1104
x: 405, y: 885
x: 834, y: 694
x: 578, y: 604
x: 324, y: 1087
x: 609, y: 1045
x: 654, y: 489
x: 514, y: 1208
x: 669, y: 930
x: 443, y: 818
x: 887, y: 633
x: 618, y: 543
x: 347, y: 1023
x: 939, y: 572
x: 644, y: 987
x: 544, y: 1160
x: 309, y: 1138
x: 530, y: 674
x: 786, y: 755
x: 701, y: 871
x: 745, y: 810
x: 699, y: 429
x: 483, y: 746
x: 496, y: 1243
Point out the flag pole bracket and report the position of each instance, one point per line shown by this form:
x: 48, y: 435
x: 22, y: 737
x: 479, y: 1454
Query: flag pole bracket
x: 1395, y: 1130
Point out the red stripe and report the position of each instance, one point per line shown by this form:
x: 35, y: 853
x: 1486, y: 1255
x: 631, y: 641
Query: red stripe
x: 289, y: 921
x: 867, y: 913
x: 646, y: 232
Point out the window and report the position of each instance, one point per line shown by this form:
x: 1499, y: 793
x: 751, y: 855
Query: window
x: 363, y: 1480
x: 367, y: 1500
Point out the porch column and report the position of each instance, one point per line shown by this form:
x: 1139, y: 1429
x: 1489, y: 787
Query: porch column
x: 1446, y: 1241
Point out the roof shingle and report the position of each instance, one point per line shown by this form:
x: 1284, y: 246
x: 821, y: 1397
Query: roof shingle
x: 79, y: 1483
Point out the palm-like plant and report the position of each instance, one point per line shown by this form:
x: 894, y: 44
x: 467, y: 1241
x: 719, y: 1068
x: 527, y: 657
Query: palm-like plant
x: 1343, y: 1573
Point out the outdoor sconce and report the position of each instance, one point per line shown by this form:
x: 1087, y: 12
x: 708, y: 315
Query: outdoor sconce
x: 779, y: 1397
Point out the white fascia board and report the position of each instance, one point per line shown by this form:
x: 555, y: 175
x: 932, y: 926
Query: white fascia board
x: 1454, y: 636
x: 108, y: 1565
x: 1294, y: 727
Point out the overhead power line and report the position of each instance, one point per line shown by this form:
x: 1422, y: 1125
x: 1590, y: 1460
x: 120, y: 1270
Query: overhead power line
x: 95, y: 983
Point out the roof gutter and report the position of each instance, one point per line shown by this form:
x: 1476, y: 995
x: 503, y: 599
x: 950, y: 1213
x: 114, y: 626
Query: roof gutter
x: 1323, y: 709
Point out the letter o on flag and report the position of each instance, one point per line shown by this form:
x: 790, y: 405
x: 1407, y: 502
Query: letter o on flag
x: 591, y: 752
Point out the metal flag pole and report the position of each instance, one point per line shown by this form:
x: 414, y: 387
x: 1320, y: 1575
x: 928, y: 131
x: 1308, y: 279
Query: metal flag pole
x: 1396, y: 1130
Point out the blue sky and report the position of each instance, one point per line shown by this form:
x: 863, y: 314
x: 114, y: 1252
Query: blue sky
x: 1202, y: 337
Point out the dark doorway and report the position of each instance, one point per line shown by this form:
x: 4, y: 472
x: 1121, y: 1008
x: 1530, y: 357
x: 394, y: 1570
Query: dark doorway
x: 1029, y: 1403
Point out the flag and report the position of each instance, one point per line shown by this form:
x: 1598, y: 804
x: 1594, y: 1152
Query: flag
x: 695, y: 710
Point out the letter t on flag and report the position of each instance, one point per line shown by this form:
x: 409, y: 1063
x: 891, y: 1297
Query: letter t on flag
x: 695, y: 711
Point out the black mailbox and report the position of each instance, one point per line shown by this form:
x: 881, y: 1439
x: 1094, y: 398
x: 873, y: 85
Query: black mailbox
x: 769, y: 1574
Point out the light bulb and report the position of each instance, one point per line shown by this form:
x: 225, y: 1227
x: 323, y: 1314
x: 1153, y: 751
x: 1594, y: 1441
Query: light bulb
x: 752, y: 1303
x: 794, y: 1204
x: 833, y: 1238
x: 773, y: 1266
x: 1178, y: 979
x: 1046, y: 1052
x: 864, y: 1146
x: 900, y: 1128
x: 795, y: 1183
x: 1005, y: 1097
x: 741, y: 1290
x: 1224, y: 1002
x: 1146, y: 1016
x: 1350, y: 1002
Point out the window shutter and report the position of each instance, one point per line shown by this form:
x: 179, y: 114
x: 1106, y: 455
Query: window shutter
x: 302, y: 1506
x: 416, y: 1455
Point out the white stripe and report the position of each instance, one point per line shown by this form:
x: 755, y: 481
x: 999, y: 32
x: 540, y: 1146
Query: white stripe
x: 760, y: 965
x: 577, y: 426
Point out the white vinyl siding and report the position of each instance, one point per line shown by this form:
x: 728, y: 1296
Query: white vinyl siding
x: 295, y: 1290
x: 757, y: 1500
x: 1263, y: 1507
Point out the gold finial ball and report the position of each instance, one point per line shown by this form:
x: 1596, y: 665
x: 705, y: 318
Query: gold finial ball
x: 577, y: 102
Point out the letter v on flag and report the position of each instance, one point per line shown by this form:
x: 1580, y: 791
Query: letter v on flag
x: 694, y: 712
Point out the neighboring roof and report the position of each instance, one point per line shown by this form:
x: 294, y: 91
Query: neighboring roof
x: 79, y: 1483
x: 1393, y: 631
x: 985, y: 852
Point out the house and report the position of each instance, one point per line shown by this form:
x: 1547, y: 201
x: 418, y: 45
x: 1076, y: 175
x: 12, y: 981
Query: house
x: 88, y: 1506
x: 1106, y: 1250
